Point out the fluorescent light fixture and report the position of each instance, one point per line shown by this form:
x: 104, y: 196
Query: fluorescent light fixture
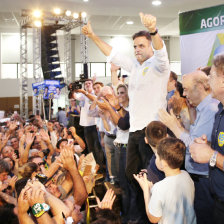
x: 75, y: 15
x: 68, y: 13
x: 57, y: 11
x: 129, y: 22
x: 37, y: 23
x: 156, y: 2
x: 37, y: 13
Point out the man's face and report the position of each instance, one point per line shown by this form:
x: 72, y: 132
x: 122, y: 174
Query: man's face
x: 88, y: 86
x: 143, y: 49
x: 3, y: 176
x: 7, y: 151
x: 57, y: 90
x: 45, y: 90
x: 97, y: 89
x: 191, y: 91
x: 216, y: 82
x: 15, y: 143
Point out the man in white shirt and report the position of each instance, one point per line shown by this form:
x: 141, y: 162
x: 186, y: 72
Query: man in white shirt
x: 88, y: 122
x: 149, y: 74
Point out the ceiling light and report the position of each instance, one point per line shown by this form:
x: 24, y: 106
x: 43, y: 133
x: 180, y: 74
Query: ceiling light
x: 85, y: 0
x: 57, y: 11
x: 129, y: 22
x: 68, y: 13
x: 83, y: 14
x: 156, y: 2
x: 37, y: 23
x: 37, y: 13
x: 75, y: 15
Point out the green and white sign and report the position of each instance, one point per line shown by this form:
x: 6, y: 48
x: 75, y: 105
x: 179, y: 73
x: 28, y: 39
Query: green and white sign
x: 201, y: 37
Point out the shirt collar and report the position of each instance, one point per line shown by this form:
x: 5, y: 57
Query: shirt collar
x: 204, y: 102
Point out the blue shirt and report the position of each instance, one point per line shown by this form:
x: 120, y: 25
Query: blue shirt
x: 217, y: 143
x: 203, y: 124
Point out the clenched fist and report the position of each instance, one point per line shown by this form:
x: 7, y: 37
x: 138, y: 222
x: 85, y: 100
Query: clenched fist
x: 148, y: 21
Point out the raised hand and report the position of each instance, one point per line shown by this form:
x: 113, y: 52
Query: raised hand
x: 73, y: 130
x: 107, y: 201
x: 105, y: 105
x: 143, y: 181
x: 29, y: 138
x: 87, y: 30
x: 148, y: 21
x: 44, y: 135
x: 114, y: 68
x: 67, y: 159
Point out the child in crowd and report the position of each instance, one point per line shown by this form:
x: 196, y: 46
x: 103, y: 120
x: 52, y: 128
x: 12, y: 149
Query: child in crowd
x: 154, y: 132
x: 171, y: 199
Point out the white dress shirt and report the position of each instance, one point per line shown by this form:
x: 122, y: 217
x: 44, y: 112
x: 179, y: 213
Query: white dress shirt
x: 147, y: 86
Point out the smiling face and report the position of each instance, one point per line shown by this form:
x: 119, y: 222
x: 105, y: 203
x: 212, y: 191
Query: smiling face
x: 143, y: 49
x: 88, y: 86
x: 122, y: 95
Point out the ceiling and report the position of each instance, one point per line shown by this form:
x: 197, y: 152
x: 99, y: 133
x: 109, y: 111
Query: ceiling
x: 108, y: 17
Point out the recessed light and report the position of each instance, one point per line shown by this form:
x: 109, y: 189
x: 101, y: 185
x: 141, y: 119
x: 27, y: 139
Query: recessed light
x: 156, y: 2
x: 85, y: 0
x: 129, y: 22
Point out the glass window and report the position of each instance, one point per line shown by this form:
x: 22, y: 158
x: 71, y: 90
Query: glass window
x: 98, y: 69
x: 9, y: 71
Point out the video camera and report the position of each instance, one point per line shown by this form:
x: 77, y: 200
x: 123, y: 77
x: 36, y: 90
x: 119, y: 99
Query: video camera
x: 77, y: 84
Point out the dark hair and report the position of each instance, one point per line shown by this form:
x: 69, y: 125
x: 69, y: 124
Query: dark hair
x: 4, y: 166
x: 172, y: 150
x: 173, y: 76
x: 122, y: 86
x: 206, y: 70
x: 20, y: 184
x: 142, y: 33
x: 27, y: 169
x: 180, y: 89
x: 60, y: 141
x: 218, y: 62
x: 7, y: 215
x: 98, y: 83
x: 154, y: 132
x: 86, y: 80
x: 107, y: 216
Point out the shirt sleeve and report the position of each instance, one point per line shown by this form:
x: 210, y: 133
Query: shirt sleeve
x: 79, y: 97
x: 161, y: 59
x: 120, y: 60
x: 155, y: 203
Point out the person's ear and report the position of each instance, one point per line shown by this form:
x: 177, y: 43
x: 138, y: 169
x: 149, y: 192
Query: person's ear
x: 146, y: 140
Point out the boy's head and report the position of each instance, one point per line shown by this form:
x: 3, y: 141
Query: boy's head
x: 172, y: 151
x: 154, y: 132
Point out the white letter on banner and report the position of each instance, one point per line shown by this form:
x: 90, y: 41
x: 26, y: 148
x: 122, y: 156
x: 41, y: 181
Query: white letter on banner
x: 216, y: 21
x: 209, y: 22
x: 203, y: 24
x: 221, y: 20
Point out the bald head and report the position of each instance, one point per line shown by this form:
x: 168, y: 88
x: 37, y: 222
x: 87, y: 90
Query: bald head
x: 198, y: 77
x: 196, y: 87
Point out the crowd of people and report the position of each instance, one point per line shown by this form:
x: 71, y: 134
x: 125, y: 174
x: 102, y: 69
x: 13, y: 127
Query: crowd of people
x: 158, y: 140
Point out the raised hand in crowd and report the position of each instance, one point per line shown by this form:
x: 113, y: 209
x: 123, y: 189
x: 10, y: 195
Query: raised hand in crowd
x: 108, y: 200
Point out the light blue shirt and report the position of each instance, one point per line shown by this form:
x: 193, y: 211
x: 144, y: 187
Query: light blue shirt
x: 203, y: 124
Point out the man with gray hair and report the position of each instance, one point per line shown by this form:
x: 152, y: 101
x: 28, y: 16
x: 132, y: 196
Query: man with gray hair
x: 197, y: 91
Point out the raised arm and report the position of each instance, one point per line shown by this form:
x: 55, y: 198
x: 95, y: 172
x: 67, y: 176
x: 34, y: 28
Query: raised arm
x: 149, y: 22
x: 103, y: 46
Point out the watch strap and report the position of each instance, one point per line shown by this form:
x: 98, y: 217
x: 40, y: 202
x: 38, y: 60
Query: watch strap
x: 154, y: 33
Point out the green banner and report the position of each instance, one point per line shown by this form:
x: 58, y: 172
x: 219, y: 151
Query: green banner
x: 202, y: 20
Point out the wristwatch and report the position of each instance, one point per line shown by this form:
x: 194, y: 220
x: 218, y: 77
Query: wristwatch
x: 212, y: 160
x: 154, y: 33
